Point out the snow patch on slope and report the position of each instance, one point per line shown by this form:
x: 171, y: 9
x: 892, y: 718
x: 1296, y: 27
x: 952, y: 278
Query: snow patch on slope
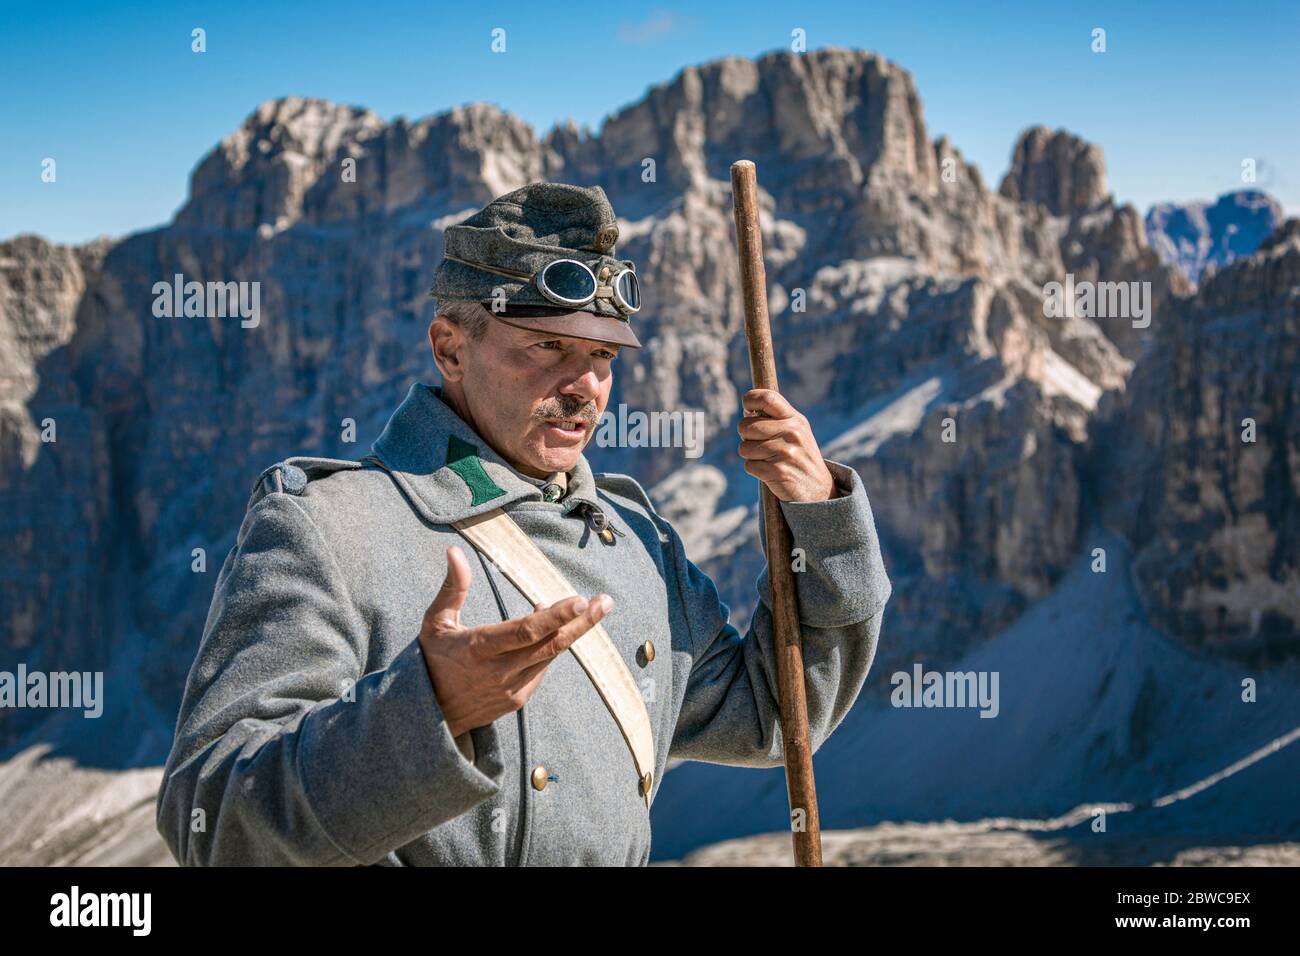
x: 899, y: 413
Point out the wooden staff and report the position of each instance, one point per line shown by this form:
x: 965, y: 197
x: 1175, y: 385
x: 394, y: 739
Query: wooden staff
x: 805, y: 826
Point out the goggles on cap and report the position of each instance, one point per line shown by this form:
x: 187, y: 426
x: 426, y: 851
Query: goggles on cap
x: 572, y: 284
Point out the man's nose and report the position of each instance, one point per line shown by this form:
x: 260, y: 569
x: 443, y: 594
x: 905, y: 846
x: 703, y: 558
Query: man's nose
x: 582, y: 382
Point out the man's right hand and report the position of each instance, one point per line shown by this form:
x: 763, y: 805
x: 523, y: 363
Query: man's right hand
x: 480, y: 673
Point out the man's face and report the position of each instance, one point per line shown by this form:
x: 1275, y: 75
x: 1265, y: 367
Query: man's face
x: 534, y: 396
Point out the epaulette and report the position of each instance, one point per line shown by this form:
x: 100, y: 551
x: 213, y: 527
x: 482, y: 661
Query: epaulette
x: 292, y: 475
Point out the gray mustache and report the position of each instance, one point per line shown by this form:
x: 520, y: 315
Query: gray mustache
x: 568, y: 408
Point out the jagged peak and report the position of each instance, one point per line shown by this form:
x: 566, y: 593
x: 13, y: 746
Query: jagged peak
x: 1286, y: 234
x: 307, y: 126
x: 306, y: 120
x: 747, y: 72
x: 475, y: 110
x: 1239, y: 198
x: 1270, y: 274
x: 1056, y: 168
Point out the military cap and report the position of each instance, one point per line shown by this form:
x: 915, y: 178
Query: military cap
x: 509, y: 244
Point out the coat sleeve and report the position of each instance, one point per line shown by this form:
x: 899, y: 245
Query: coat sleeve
x: 286, y: 752
x: 730, y: 714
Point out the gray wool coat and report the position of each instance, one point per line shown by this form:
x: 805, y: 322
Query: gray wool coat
x: 310, y: 733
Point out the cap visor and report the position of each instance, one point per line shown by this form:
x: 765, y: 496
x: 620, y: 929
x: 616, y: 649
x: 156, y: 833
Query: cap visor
x: 578, y: 325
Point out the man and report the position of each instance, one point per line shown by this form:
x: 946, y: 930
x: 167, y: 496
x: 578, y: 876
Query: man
x: 372, y: 689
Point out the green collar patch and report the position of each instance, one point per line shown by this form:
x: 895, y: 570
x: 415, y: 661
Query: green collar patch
x: 462, y: 458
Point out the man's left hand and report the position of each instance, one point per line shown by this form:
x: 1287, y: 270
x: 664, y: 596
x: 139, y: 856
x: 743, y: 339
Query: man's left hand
x: 780, y: 449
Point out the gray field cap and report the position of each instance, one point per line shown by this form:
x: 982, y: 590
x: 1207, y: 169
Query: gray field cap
x: 508, y: 241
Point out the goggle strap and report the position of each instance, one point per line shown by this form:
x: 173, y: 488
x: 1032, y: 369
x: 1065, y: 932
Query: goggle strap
x: 478, y: 265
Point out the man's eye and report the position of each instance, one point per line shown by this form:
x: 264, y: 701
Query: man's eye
x: 551, y: 343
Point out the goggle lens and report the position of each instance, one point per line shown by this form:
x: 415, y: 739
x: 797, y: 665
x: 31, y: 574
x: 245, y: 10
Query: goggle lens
x: 629, y: 290
x: 570, y: 281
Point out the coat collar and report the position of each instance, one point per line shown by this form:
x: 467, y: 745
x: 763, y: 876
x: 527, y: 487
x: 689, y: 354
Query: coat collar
x: 449, y: 472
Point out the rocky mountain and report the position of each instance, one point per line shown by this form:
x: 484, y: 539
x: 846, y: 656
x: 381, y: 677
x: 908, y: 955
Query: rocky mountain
x: 1056, y: 170
x: 1197, y: 236
x: 1207, y: 439
x: 57, y: 513
x: 911, y: 321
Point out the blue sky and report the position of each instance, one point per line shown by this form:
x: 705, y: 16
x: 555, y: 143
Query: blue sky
x: 112, y: 91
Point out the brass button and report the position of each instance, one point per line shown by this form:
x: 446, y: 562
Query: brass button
x: 645, y: 783
x: 606, y: 535
x: 539, y: 777
x: 648, y: 651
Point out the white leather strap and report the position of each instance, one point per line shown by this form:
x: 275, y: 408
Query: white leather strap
x: 522, y: 562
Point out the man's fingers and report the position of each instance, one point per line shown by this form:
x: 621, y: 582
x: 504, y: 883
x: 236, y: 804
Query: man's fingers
x: 601, y: 605
x: 768, y: 416
x: 761, y: 428
x: 766, y: 401
x: 760, y: 450
x: 525, y: 631
x: 445, y: 609
x: 557, y: 643
x: 768, y: 472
